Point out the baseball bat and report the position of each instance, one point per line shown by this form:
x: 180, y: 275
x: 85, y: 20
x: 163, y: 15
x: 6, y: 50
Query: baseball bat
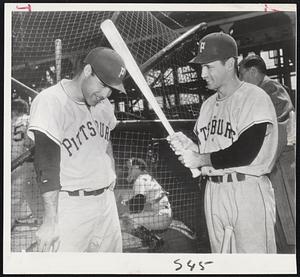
x: 27, y: 90
x: 226, y: 240
x: 22, y: 158
x: 58, y: 55
x: 119, y: 45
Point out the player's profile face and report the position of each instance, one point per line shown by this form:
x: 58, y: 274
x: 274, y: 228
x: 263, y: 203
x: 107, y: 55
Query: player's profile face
x: 214, y: 73
x: 133, y: 173
x: 244, y: 74
x: 94, y: 90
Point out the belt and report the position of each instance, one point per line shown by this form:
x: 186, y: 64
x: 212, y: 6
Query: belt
x: 81, y: 192
x: 220, y: 179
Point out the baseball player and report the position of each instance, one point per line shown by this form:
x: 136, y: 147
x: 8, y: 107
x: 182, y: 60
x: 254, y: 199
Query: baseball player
x: 149, y: 206
x: 22, y: 204
x: 252, y: 69
x: 237, y: 141
x: 71, y: 124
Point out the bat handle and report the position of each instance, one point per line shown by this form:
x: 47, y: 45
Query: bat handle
x: 195, y: 172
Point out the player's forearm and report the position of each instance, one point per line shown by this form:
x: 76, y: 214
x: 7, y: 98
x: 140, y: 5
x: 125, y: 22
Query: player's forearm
x: 192, y: 159
x: 50, y: 201
x: 47, y: 163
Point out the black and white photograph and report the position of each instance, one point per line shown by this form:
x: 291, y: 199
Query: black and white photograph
x: 150, y: 138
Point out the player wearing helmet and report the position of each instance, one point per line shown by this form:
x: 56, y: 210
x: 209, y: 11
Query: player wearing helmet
x: 237, y: 141
x: 149, y: 205
x: 23, y: 206
x: 71, y: 124
x: 149, y: 209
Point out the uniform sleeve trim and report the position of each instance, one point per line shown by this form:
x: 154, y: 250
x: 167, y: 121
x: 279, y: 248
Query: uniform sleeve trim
x: 35, y: 128
x: 255, y: 122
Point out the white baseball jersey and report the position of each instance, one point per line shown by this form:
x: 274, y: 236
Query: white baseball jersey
x: 222, y: 121
x: 18, y: 135
x: 155, y: 195
x: 82, y: 134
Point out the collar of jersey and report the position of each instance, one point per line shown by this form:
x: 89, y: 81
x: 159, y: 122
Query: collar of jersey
x: 78, y: 102
x: 226, y: 97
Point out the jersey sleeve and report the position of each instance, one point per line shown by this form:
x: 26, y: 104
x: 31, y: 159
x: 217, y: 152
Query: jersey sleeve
x: 257, y: 108
x: 140, y: 185
x: 45, y: 116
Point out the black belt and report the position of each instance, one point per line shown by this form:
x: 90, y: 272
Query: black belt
x: 86, y: 193
x: 220, y: 179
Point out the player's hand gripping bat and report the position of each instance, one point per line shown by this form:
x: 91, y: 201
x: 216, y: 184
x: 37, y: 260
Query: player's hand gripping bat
x: 116, y: 41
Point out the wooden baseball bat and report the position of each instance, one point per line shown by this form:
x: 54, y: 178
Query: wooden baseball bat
x: 58, y: 55
x: 22, y: 158
x: 227, y: 240
x: 119, y: 45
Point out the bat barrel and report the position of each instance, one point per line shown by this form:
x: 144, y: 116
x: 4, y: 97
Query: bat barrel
x: 58, y: 56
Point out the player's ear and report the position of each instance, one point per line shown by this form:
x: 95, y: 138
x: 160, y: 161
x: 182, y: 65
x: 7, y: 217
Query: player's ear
x: 87, y: 70
x: 230, y: 63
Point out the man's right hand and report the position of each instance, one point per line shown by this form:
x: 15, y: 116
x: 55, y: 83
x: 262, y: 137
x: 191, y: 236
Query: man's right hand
x: 48, y: 237
x: 179, y: 142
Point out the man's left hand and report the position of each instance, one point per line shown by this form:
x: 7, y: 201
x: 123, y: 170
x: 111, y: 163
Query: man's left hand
x: 192, y: 159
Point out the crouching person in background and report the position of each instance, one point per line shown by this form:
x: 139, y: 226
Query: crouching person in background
x: 149, y: 208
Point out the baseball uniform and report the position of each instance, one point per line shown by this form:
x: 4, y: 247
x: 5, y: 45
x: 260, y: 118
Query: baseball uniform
x: 22, y: 178
x: 239, y: 198
x: 85, y: 222
x: 283, y: 174
x: 157, y: 213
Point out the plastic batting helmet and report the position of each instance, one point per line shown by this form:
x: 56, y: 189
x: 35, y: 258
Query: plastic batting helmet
x: 108, y: 66
x: 215, y: 46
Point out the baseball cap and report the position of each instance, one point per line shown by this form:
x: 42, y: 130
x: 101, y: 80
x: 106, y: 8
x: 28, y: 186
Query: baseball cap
x: 108, y: 66
x: 215, y: 46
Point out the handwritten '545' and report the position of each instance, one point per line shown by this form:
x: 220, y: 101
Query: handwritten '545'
x: 191, y: 264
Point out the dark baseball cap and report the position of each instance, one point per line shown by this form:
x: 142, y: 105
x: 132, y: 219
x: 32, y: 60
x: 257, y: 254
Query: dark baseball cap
x: 215, y: 46
x: 108, y: 66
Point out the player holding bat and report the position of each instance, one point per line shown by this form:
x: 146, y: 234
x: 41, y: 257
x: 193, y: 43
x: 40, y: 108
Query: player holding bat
x: 117, y: 42
x: 237, y: 142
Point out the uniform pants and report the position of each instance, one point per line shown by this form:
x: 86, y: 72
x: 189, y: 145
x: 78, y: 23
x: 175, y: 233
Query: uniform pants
x: 89, y: 223
x: 245, y: 207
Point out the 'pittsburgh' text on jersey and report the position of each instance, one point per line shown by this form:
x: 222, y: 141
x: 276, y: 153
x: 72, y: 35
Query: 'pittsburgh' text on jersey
x: 82, y: 133
x: 222, y: 121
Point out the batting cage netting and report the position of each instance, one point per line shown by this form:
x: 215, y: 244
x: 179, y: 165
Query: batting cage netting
x: 44, y: 49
